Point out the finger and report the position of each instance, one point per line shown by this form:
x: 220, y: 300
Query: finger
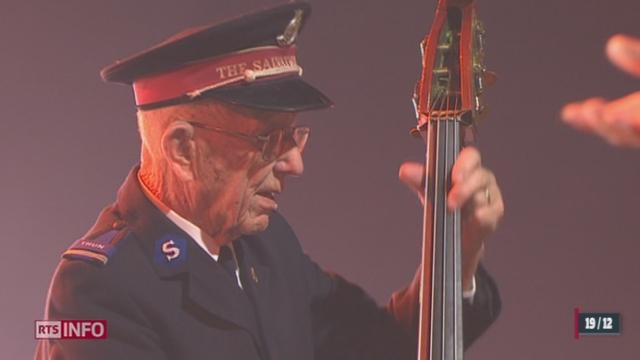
x: 476, y: 182
x: 624, y: 111
x: 487, y: 218
x: 624, y: 52
x: 584, y: 115
x: 487, y: 197
x: 590, y: 114
x: 623, y: 117
x: 412, y: 174
x: 624, y: 139
x: 570, y: 115
x: 611, y: 121
x: 623, y: 136
x: 570, y: 111
x: 483, y: 198
x: 468, y: 160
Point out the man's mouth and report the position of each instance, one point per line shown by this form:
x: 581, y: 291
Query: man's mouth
x: 268, y: 194
x: 268, y: 199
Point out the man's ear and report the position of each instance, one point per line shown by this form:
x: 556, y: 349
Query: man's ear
x: 179, y: 148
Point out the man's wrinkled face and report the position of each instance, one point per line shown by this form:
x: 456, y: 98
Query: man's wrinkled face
x: 237, y: 185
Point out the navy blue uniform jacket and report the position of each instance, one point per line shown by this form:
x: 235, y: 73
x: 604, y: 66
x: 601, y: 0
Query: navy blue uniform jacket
x: 190, y: 308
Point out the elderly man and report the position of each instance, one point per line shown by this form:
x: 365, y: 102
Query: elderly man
x: 193, y: 261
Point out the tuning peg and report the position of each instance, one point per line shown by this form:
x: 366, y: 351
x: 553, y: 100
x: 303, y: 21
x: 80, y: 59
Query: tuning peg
x: 478, y: 104
x: 481, y: 113
x: 490, y: 77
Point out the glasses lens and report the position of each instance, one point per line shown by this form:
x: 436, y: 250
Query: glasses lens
x: 280, y: 141
x: 272, y: 147
x: 301, y: 136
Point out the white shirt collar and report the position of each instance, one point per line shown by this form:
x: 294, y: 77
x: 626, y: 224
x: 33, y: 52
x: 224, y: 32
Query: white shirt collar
x: 187, y: 226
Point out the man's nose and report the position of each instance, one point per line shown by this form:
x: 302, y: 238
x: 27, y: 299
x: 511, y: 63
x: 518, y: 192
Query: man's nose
x: 290, y: 163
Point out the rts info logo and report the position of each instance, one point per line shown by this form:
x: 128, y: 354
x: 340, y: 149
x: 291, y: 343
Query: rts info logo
x: 71, y: 329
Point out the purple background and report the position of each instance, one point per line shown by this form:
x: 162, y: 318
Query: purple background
x: 570, y: 234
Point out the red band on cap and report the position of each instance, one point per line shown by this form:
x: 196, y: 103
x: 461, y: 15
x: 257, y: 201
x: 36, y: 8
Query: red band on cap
x: 193, y: 79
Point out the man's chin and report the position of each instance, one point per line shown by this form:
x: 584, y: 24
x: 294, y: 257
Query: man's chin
x: 255, y: 224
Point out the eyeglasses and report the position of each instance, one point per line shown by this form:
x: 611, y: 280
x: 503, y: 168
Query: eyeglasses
x: 273, y: 144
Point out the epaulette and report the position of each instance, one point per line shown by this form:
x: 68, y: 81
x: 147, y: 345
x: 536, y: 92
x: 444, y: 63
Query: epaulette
x: 96, y: 248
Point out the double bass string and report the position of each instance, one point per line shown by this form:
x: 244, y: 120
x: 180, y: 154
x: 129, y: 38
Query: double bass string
x: 446, y: 280
x: 445, y: 106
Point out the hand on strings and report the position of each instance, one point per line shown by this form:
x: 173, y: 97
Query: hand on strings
x: 476, y: 192
x: 617, y: 121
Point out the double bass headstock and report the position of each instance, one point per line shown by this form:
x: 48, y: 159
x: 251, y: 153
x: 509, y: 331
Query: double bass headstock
x: 454, y: 76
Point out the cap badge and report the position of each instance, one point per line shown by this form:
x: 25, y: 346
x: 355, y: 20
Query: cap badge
x: 291, y: 31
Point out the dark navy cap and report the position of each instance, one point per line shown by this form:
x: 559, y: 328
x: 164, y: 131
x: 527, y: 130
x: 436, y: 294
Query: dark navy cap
x: 249, y: 61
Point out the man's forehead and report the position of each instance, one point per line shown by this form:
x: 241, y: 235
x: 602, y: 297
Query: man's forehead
x: 237, y: 116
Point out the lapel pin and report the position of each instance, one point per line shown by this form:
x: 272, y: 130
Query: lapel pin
x: 254, y: 275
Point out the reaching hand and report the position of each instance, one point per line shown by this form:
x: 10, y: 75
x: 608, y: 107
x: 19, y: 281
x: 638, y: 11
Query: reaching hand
x: 617, y: 121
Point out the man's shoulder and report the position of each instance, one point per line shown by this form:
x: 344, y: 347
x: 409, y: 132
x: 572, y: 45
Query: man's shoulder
x: 279, y: 232
x: 98, y: 249
x: 278, y: 223
x: 94, y: 259
x: 103, y: 240
x: 277, y: 241
x: 89, y: 272
x: 108, y: 249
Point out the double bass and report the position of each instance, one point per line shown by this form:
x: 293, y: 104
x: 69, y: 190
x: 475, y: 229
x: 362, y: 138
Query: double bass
x: 448, y: 102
